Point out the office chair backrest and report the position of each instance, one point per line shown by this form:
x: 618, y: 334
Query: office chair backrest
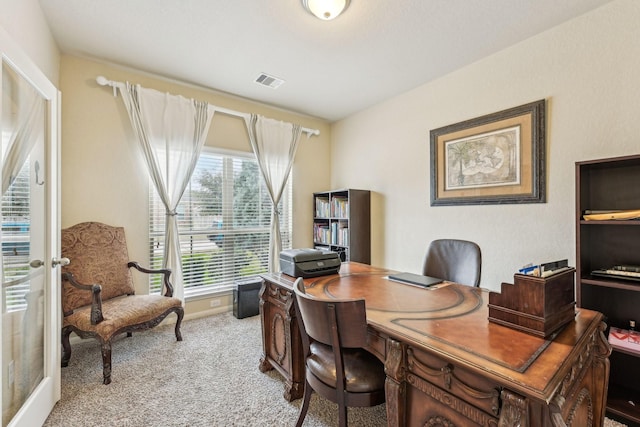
x: 454, y: 260
x: 320, y: 316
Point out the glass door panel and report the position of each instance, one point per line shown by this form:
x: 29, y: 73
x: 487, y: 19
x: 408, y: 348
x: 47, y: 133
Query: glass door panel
x: 30, y: 325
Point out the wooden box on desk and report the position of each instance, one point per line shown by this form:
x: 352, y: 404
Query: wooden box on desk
x: 536, y: 305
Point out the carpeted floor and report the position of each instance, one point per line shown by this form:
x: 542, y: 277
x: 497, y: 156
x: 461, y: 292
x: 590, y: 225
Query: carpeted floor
x: 209, y: 379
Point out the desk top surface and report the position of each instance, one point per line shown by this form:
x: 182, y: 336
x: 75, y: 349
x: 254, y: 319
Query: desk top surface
x: 452, y: 320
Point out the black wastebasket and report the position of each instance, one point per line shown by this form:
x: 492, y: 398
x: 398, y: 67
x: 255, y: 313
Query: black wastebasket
x: 246, y: 301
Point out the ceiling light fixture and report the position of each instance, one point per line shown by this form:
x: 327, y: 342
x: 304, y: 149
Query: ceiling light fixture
x: 325, y: 9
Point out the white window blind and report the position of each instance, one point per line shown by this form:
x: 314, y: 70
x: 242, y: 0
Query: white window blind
x: 223, y: 221
x: 16, y: 220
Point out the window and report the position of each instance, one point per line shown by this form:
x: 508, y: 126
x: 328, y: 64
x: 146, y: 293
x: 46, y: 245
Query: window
x: 16, y: 219
x: 223, y: 221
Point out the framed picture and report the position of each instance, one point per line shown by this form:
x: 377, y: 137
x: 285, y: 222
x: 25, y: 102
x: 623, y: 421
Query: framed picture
x: 494, y: 159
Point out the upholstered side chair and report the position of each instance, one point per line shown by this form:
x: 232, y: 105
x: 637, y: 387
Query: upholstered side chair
x: 454, y: 260
x: 98, y: 296
x: 337, y: 366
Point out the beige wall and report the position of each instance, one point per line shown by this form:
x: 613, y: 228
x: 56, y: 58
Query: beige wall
x: 104, y: 179
x: 24, y: 21
x: 586, y: 69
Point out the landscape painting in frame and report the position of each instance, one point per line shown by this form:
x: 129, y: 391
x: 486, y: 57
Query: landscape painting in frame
x: 493, y: 159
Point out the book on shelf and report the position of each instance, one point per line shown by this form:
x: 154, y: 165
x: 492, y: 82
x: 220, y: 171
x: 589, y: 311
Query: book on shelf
x: 606, y: 215
x: 628, y: 272
x: 598, y: 211
x: 340, y: 206
x: 627, y: 268
x: 323, y: 207
x: 623, y: 272
x: 625, y: 339
x: 339, y: 233
x: 321, y: 233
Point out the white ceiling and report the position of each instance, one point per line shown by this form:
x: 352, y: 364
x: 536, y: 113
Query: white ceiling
x: 375, y: 50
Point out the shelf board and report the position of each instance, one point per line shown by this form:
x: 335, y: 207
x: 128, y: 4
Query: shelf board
x: 611, y: 222
x: 625, y: 351
x: 619, y: 402
x: 330, y: 244
x: 628, y: 285
x: 330, y: 218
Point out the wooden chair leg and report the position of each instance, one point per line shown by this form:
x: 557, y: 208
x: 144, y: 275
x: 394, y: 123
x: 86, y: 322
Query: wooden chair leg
x: 180, y: 314
x: 66, y: 348
x: 305, y: 404
x: 342, y: 415
x: 106, y: 362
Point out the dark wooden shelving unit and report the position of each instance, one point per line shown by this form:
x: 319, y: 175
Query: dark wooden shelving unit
x: 611, y: 184
x: 619, y: 404
x: 342, y: 223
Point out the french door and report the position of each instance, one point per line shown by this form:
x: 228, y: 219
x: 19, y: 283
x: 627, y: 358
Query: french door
x: 30, y: 322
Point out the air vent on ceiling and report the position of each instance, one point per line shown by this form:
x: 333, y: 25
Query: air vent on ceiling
x: 270, y: 81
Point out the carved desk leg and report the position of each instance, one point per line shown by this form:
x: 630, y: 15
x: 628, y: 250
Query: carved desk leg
x: 515, y: 410
x: 581, y: 399
x: 281, y: 342
x: 264, y: 365
x: 395, y: 386
x: 295, y: 382
x: 555, y: 411
x: 601, y: 374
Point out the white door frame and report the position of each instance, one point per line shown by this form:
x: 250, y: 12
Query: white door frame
x: 38, y: 406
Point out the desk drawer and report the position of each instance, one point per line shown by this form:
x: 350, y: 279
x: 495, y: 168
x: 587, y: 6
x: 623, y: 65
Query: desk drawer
x: 428, y: 405
x: 441, y: 380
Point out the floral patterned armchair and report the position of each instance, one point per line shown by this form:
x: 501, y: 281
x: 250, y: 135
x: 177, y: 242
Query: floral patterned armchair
x: 98, y: 296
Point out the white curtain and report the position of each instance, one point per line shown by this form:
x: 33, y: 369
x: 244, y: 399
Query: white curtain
x: 171, y: 131
x: 274, y: 144
x: 22, y: 121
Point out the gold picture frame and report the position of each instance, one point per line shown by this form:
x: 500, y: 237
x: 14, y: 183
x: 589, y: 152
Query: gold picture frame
x: 494, y: 159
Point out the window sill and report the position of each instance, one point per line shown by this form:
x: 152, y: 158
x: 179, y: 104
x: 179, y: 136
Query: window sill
x: 199, y: 294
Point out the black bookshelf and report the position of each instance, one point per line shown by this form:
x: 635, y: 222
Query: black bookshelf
x: 342, y: 223
x: 608, y: 185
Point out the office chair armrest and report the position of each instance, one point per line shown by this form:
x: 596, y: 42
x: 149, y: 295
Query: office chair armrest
x: 96, y: 299
x: 165, y: 271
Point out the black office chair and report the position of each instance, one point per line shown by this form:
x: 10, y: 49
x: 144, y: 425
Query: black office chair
x: 337, y: 367
x: 454, y: 260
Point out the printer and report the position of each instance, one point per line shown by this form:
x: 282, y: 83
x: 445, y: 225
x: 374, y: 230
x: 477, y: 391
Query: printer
x: 309, y: 262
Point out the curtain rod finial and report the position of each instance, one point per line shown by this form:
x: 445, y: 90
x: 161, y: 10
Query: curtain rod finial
x: 103, y: 81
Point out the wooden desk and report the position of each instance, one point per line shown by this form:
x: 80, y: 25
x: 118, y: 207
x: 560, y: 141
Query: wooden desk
x: 446, y: 364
